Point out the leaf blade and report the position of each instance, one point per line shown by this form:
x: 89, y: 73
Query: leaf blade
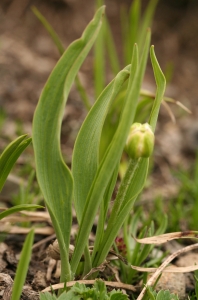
x: 53, y: 175
x: 18, y: 208
x: 22, y: 267
x: 10, y: 155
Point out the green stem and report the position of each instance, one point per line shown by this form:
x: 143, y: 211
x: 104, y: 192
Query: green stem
x: 87, y: 264
x: 133, y: 165
x: 66, y: 274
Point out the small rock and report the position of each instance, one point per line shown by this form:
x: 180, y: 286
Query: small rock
x: 174, y: 282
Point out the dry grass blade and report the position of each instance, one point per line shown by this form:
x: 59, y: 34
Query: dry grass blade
x: 54, y: 252
x: 178, y: 103
x: 170, y: 269
x: 25, y: 216
x: 100, y: 268
x: 163, y: 266
x: 47, y: 230
x: 114, y: 284
x: 163, y: 238
x: 43, y: 241
x: 167, y: 107
x: 165, y: 99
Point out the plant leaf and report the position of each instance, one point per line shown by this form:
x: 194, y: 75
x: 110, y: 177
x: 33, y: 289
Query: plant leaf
x: 166, y: 295
x: 22, y: 267
x: 53, y: 175
x: 49, y: 28
x: 18, y: 208
x: 10, y: 156
x: 86, y: 149
x: 161, y: 85
x: 147, y: 20
x: 47, y: 296
x: 61, y: 50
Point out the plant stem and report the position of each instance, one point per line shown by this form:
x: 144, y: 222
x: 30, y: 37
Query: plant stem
x: 121, y: 195
x: 133, y: 165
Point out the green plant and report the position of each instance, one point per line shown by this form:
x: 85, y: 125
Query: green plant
x: 7, y: 160
x: 90, y: 183
x: 134, y: 29
x: 10, y: 155
x: 22, y: 267
x: 81, y: 292
x: 29, y: 192
x: 161, y: 295
x: 135, y: 253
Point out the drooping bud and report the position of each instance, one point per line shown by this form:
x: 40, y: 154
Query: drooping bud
x: 140, y: 141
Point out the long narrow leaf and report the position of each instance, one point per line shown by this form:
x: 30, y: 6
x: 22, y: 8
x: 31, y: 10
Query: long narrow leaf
x: 10, y: 156
x: 134, y: 19
x: 125, y: 35
x: 53, y: 175
x: 22, y: 267
x: 61, y: 50
x: 103, y: 211
x: 86, y: 149
x: 99, y: 64
x: 18, y: 208
x: 111, y: 49
x: 146, y: 22
x: 111, y: 232
x: 161, y: 85
x: 49, y: 28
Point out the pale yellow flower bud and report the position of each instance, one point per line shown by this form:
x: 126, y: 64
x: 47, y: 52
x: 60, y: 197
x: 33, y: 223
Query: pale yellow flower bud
x: 140, y: 141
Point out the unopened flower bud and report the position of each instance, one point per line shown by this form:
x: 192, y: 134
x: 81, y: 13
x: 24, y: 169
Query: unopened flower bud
x: 140, y: 141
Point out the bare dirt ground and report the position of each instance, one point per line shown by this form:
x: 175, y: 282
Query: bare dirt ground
x: 27, y: 56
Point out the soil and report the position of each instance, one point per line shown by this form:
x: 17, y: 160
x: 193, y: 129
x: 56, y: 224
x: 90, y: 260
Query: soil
x: 27, y: 56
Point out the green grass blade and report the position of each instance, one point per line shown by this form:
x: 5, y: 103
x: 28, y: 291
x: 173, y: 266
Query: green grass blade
x: 61, y: 50
x: 18, y: 208
x: 99, y: 64
x: 161, y: 85
x: 146, y: 21
x: 125, y: 35
x: 134, y: 19
x: 22, y: 267
x: 111, y: 49
x: 86, y: 149
x: 112, y: 230
x: 127, y: 181
x: 53, y: 175
x: 49, y: 29
x: 99, y: 60
x: 103, y: 211
x: 10, y: 156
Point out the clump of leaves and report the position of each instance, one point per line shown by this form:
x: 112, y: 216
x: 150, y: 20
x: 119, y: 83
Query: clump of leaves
x: 81, y: 292
x: 7, y: 160
x: 91, y: 181
x: 161, y: 295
